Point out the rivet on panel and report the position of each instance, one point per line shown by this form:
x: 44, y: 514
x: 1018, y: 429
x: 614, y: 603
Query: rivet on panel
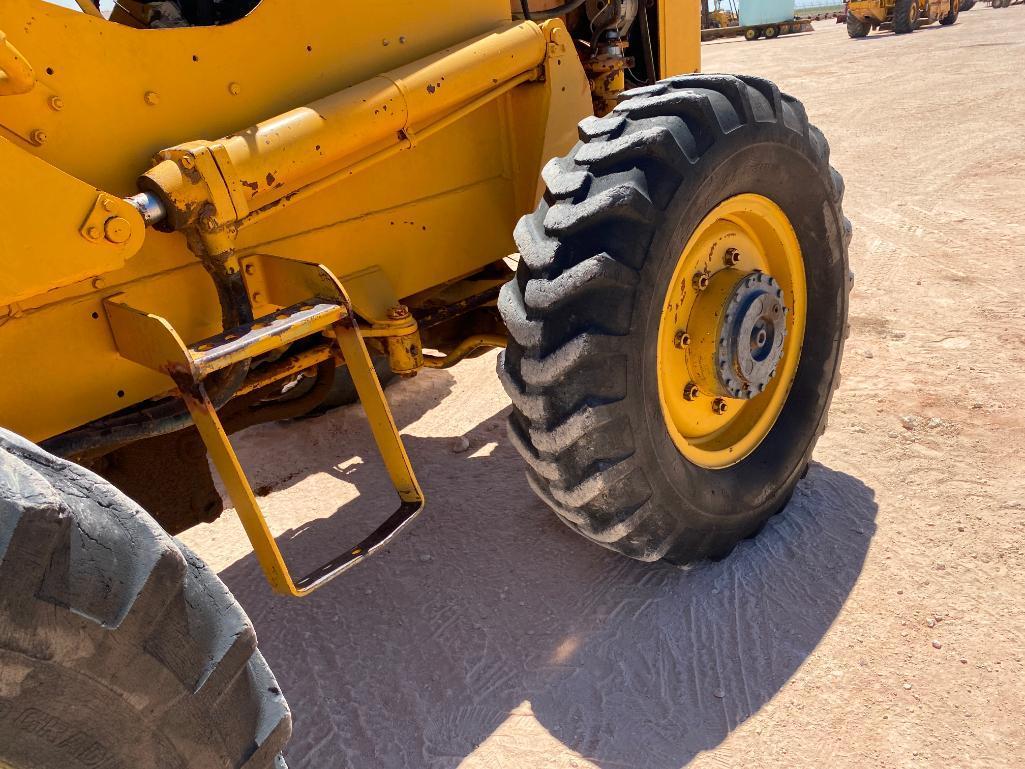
x: 56, y: 103
x: 234, y: 89
x: 152, y: 98
x: 38, y: 137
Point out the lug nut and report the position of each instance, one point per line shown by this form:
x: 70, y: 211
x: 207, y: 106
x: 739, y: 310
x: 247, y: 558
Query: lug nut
x: 719, y: 406
x: 731, y: 257
x: 682, y: 339
x: 700, y: 280
x: 690, y: 391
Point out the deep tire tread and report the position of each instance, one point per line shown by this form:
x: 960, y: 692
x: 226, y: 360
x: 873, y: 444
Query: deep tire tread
x: 570, y: 429
x: 79, y: 560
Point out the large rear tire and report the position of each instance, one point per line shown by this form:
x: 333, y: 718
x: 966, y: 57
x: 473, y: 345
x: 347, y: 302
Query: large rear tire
x: 588, y: 308
x: 118, y: 646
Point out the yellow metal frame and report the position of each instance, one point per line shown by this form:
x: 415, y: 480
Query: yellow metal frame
x: 762, y: 236
x: 392, y: 144
x: 420, y: 209
x: 311, y: 300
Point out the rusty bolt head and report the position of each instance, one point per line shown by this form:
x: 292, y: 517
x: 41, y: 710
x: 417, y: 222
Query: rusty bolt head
x: 682, y: 339
x: 117, y: 230
x: 39, y: 137
x: 152, y: 98
x: 56, y: 103
x: 398, y: 312
x: 257, y: 297
x: 731, y: 257
x: 250, y: 269
x: 208, y: 222
x: 719, y: 406
x: 187, y: 162
x: 690, y: 391
x: 700, y: 280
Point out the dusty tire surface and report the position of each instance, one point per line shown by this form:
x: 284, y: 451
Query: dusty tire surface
x: 583, y: 313
x: 902, y: 20
x: 118, y: 646
x: 856, y: 27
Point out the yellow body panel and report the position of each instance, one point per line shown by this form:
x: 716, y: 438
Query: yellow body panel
x: 435, y: 200
x: 427, y: 216
x: 679, y: 36
x: 39, y: 245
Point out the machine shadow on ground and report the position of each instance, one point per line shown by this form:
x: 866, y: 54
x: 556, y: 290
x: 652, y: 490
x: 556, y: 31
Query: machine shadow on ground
x: 489, y: 620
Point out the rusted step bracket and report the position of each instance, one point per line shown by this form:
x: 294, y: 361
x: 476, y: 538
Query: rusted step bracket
x: 311, y: 301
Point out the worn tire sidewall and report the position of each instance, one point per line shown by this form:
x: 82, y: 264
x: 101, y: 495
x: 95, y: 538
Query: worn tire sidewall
x: 771, y: 160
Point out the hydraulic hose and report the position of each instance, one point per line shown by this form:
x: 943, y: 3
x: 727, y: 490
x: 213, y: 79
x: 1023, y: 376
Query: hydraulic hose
x: 551, y: 13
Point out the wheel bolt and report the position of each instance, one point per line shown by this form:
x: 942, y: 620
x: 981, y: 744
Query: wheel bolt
x: 700, y: 280
x: 690, y: 391
x: 731, y: 257
x: 682, y: 339
x: 719, y: 406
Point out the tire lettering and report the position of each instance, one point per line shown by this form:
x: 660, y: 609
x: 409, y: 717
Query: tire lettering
x: 80, y: 746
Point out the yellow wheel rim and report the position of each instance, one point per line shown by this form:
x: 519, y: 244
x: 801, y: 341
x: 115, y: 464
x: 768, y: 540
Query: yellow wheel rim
x: 746, y: 247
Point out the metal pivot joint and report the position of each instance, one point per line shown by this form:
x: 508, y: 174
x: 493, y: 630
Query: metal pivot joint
x: 310, y: 301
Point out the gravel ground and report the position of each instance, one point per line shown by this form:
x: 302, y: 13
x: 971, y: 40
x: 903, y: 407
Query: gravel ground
x: 877, y: 622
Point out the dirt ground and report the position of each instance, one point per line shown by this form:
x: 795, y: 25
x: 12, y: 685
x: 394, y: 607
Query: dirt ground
x: 878, y: 622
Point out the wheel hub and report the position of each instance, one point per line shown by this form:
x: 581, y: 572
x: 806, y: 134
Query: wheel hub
x: 731, y: 331
x: 751, y: 336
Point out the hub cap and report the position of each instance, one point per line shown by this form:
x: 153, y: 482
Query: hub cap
x: 751, y: 336
x: 731, y: 331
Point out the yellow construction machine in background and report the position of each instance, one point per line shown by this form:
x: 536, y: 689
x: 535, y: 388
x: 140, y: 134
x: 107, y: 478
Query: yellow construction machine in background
x: 220, y: 213
x: 902, y: 16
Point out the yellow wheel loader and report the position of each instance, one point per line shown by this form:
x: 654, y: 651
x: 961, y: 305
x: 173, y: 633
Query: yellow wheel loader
x: 902, y: 16
x: 224, y: 212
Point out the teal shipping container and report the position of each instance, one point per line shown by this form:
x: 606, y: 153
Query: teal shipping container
x: 755, y: 12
